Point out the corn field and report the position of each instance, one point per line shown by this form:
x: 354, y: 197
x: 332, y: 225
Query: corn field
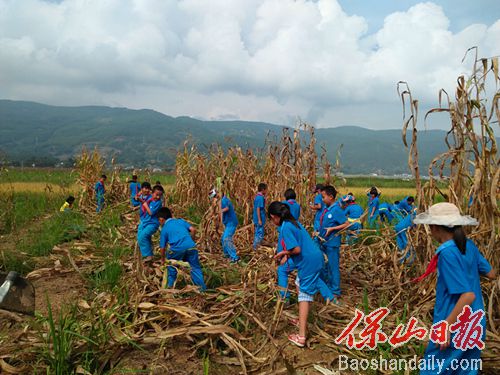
x: 239, y: 325
x: 288, y: 162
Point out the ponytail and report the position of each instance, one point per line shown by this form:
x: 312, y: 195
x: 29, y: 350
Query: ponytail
x: 459, y: 237
x: 283, y: 211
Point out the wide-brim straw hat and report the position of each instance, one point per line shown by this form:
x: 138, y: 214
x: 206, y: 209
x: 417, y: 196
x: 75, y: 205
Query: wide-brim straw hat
x: 446, y: 214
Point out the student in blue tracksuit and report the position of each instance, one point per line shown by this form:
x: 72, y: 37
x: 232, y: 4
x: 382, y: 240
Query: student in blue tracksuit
x: 149, y: 223
x: 259, y: 215
x: 404, y: 216
x: 134, y: 188
x: 353, y: 212
x: 403, y: 225
x: 317, y: 206
x: 385, y: 212
x: 332, y: 220
x: 405, y: 206
x: 294, y: 242
x: 145, y: 192
x: 286, y: 267
x: 373, y: 207
x: 176, y: 234
x: 397, y: 215
x: 290, y: 200
x: 164, y: 199
x: 459, y: 264
x: 230, y: 222
x: 99, y: 190
x: 143, y: 196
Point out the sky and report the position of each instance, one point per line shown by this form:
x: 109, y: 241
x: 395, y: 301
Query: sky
x: 326, y: 62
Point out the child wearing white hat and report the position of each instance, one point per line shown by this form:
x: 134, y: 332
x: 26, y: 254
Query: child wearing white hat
x: 459, y: 264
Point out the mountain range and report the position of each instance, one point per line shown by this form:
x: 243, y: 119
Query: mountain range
x: 43, y: 134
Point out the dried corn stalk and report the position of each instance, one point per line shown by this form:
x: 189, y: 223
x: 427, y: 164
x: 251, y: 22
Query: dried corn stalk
x: 471, y: 166
x: 89, y: 167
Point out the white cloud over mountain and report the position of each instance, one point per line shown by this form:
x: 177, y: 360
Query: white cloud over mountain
x: 269, y: 60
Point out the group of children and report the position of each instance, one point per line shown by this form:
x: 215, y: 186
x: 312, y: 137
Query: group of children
x: 176, y: 235
x: 458, y: 261
x: 401, y: 213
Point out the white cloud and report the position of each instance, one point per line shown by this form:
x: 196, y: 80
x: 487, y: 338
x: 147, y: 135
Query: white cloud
x: 268, y: 60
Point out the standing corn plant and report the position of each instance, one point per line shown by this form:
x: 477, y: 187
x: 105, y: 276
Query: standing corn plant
x: 471, y: 165
x: 89, y: 166
x: 288, y: 161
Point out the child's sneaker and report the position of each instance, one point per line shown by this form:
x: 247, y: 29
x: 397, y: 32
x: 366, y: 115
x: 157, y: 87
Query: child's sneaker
x: 298, y: 340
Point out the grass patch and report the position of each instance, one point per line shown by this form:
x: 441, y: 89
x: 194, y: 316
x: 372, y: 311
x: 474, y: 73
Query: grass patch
x: 104, y: 232
x: 120, y: 251
x: 62, y: 227
x: 16, y: 262
x: 217, y: 278
x: 59, y: 176
x: 60, y: 341
x: 71, y: 342
x: 21, y: 207
x: 106, y: 277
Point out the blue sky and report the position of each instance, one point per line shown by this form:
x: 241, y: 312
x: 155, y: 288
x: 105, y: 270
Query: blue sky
x: 461, y: 13
x: 327, y: 62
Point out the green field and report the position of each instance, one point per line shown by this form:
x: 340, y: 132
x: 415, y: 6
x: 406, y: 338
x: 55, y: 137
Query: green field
x: 65, y: 177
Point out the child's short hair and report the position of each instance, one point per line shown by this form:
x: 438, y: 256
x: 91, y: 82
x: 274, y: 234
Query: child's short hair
x: 103, y: 176
x: 164, y: 213
x: 134, y: 177
x: 330, y: 191
x: 410, y: 199
x: 145, y: 184
x: 290, y: 194
x: 374, y: 191
x: 261, y: 187
x: 158, y: 188
x: 396, y: 202
x: 319, y: 187
x: 70, y: 199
